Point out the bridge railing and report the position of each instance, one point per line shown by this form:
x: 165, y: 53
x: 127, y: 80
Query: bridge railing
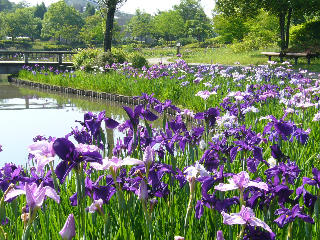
x: 37, y: 56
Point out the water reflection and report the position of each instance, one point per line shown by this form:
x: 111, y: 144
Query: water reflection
x: 26, y: 113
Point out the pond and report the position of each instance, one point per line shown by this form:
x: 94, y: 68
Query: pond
x: 26, y: 113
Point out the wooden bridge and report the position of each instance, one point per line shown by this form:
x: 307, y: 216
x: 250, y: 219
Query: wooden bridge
x: 13, y: 61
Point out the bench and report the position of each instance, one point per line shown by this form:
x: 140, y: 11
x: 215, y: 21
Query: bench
x: 290, y: 55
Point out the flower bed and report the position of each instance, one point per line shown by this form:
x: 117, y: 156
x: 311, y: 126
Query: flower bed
x: 246, y: 168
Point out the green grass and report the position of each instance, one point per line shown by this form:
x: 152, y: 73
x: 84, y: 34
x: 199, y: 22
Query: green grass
x: 227, y: 56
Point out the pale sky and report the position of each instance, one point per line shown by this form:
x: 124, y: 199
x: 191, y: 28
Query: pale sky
x: 149, y: 6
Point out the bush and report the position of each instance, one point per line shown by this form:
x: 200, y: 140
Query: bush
x: 90, y: 58
x: 119, y: 55
x: 187, y: 40
x: 85, y: 57
x: 306, y: 36
x: 138, y: 61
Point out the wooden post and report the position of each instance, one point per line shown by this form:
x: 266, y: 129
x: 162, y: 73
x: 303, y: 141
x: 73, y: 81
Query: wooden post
x: 60, y: 58
x: 26, y: 56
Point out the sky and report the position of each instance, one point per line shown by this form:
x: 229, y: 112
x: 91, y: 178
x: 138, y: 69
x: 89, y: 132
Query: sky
x: 149, y: 6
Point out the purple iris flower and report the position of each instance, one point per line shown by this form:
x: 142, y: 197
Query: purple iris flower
x: 71, y: 157
x: 277, y: 153
x: 289, y: 215
x: 69, y: 229
x: 246, y: 216
x: 1, y: 148
x: 161, y: 107
x: 93, y: 123
x: 10, y: 173
x: 81, y: 136
x: 289, y: 172
x: 211, y: 201
x: 139, y: 111
x: 210, y: 116
x: 35, y: 195
x: 315, y: 181
x: 309, y: 199
x: 241, y: 181
x: 253, y: 233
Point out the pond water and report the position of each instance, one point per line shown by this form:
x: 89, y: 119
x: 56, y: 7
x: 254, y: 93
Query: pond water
x: 26, y: 113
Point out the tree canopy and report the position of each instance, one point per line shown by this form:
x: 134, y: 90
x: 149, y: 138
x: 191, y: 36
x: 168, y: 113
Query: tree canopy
x: 62, y: 21
x: 283, y: 9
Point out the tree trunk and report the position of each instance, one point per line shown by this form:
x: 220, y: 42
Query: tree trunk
x: 288, y: 28
x: 282, y: 19
x: 109, y: 27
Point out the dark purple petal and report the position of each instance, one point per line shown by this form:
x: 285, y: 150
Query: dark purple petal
x: 62, y: 170
x: 150, y: 116
x: 64, y: 149
x: 110, y: 123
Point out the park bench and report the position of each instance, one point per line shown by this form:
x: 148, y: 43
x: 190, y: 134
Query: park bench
x: 290, y: 55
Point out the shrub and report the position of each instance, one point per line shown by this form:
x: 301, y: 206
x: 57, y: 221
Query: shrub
x: 119, y: 55
x: 187, y: 40
x: 138, y: 61
x: 306, y: 36
x: 85, y: 57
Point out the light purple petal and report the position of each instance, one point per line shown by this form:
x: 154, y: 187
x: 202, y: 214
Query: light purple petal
x: 260, y: 185
x: 131, y: 161
x: 42, y: 161
x: 226, y: 187
x: 256, y: 222
x: 13, y: 193
x: 29, y: 196
x: 40, y: 197
x: 69, y: 229
x: 51, y: 193
x: 232, y: 219
x: 94, y: 206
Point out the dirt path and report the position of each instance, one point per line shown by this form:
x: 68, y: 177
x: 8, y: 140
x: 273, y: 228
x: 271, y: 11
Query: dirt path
x: 163, y: 60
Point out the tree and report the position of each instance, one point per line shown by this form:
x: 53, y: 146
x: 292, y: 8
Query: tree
x: 197, y: 23
x: 283, y: 9
x: 109, y: 7
x: 90, y: 10
x: 140, y: 25
x: 229, y: 28
x: 40, y: 10
x: 169, y: 25
x: 62, y: 21
x: 5, y: 5
x: 188, y: 9
x: 21, y: 23
x: 92, y: 32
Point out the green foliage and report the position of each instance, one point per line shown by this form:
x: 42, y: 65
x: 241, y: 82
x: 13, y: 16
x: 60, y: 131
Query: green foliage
x: 85, y: 57
x: 262, y: 33
x: 306, y: 36
x: 19, y: 44
x: 5, y: 5
x: 138, y: 61
x: 229, y: 28
x: 91, y: 58
x: 169, y: 25
x: 140, y: 25
x: 92, y: 32
x: 186, y: 40
x: 40, y: 10
x: 90, y: 10
x: 119, y: 55
x: 21, y: 23
x: 62, y: 21
x: 104, y: 58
